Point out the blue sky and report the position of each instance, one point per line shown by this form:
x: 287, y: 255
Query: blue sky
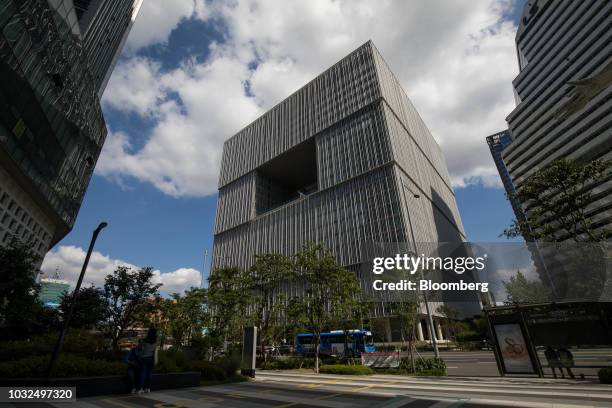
x: 161, y: 207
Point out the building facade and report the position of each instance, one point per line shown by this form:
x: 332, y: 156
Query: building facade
x: 563, y: 94
x: 52, y: 290
x: 345, y: 160
x: 497, y: 143
x: 55, y: 58
x: 338, y: 162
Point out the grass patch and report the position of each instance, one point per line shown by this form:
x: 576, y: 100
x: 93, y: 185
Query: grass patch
x: 345, y: 369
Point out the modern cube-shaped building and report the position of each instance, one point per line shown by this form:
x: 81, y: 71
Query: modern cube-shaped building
x: 344, y: 161
x: 338, y: 162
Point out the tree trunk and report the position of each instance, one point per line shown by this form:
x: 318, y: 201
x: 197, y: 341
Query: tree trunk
x: 316, y: 345
x: 263, y: 345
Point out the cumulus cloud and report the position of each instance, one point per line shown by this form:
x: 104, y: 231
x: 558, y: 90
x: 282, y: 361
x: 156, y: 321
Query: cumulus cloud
x: 157, y: 18
x: 183, y: 152
x: 68, y: 260
x: 136, y: 87
x: 456, y: 61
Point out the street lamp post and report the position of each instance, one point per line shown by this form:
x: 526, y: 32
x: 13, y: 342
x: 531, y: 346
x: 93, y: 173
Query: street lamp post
x: 60, y: 340
x: 432, y: 331
x: 203, y: 268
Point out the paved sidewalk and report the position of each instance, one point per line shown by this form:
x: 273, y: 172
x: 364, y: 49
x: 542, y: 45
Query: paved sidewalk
x: 307, y: 390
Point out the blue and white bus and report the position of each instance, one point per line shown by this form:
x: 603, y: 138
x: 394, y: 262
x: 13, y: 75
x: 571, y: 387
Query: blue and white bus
x: 333, y: 343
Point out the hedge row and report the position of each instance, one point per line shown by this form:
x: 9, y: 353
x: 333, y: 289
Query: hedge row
x: 72, y: 365
x: 78, y: 342
x: 286, y: 363
x: 346, y: 369
x: 68, y: 365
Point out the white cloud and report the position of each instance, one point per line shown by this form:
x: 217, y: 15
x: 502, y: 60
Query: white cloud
x: 456, y: 61
x: 68, y: 260
x: 136, y: 87
x: 179, y: 280
x: 182, y: 154
x: 157, y: 18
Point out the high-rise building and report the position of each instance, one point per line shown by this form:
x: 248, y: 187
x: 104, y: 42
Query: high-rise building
x: 345, y: 160
x: 497, y: 143
x: 563, y: 94
x: 55, y: 59
x: 52, y: 290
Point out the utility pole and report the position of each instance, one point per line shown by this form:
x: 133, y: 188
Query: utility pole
x: 203, y: 268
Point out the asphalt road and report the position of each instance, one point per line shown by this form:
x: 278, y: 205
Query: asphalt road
x: 482, y: 363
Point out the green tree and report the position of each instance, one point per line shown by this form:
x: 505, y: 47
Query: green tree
x: 186, y: 315
x: 521, y: 290
x: 327, y: 287
x: 21, y: 312
x: 450, y: 320
x: 227, y: 298
x: 266, y: 276
x: 129, y: 295
x: 90, y: 310
x: 556, y: 198
x: 407, y: 312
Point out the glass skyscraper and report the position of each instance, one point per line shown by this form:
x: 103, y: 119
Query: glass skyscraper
x: 52, y: 290
x: 55, y: 59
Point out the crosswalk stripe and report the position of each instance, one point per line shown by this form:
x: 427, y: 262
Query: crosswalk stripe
x: 545, y: 386
x: 442, y: 389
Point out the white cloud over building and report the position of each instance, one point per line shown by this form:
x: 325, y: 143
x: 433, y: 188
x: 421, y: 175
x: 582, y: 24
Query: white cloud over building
x: 455, y: 60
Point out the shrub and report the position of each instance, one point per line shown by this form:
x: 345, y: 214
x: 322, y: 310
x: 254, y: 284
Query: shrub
x: 346, y: 369
x: 423, y: 367
x: 68, y: 365
x: 435, y: 364
x: 79, y: 342
x: 229, y: 364
x: 11, y: 350
x: 208, y: 370
x: 605, y: 375
x: 289, y: 363
x: 171, y: 360
x: 166, y: 364
x: 435, y: 372
x: 468, y: 336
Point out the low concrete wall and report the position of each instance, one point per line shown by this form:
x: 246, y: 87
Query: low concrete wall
x: 106, y: 385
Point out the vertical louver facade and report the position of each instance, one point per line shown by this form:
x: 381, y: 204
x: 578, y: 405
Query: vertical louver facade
x: 338, y: 162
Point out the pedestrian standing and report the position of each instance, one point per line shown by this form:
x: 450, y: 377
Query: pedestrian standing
x: 566, y: 359
x: 148, y: 359
x: 552, y: 357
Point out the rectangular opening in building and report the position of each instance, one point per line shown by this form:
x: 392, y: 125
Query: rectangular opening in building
x: 287, y: 177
